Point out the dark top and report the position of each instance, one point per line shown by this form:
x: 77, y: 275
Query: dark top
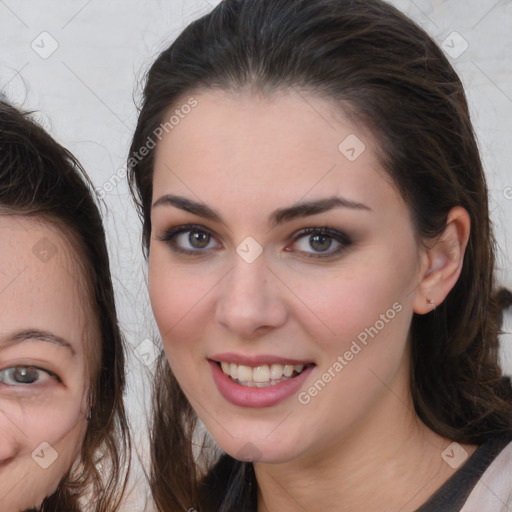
x: 231, y: 485
x: 452, y: 495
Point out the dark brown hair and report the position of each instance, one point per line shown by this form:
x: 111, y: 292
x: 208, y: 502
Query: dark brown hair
x: 387, y: 74
x: 42, y: 180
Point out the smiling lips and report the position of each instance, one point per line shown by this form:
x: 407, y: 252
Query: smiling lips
x: 261, y: 376
x: 264, y: 380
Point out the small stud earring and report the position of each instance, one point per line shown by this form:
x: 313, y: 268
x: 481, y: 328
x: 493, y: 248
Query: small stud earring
x: 431, y: 302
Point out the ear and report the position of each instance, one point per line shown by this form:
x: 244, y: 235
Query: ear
x: 443, y: 262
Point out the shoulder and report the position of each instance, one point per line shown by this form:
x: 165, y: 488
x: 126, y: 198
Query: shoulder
x: 493, y: 491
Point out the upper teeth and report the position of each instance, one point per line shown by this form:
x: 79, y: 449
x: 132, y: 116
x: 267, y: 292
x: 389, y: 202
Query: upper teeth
x: 263, y: 373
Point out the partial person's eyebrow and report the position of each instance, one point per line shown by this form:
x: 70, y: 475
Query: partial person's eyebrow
x: 34, y: 335
x: 279, y: 216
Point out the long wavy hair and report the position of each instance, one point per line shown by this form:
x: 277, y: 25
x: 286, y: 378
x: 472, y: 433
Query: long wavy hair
x: 41, y: 179
x: 387, y: 74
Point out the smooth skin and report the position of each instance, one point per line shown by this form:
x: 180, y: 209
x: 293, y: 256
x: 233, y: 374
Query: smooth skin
x: 357, y: 444
x: 43, y: 370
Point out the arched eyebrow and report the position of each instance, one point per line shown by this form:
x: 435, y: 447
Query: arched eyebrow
x: 304, y: 209
x: 34, y: 335
x: 188, y: 205
x: 279, y: 216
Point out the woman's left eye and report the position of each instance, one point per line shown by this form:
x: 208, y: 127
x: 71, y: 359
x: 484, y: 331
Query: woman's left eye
x: 320, y: 242
x: 23, y: 375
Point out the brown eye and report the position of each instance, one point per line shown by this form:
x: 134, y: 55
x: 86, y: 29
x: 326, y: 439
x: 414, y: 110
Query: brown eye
x: 25, y: 375
x: 320, y: 243
x: 198, y: 239
x: 190, y: 239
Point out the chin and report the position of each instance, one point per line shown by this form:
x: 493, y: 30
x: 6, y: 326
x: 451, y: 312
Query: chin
x: 259, y: 450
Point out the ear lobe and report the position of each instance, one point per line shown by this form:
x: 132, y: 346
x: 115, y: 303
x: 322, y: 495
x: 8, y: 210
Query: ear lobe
x: 444, y: 260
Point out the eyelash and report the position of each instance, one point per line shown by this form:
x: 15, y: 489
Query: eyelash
x: 171, y: 235
x: 340, y: 237
x: 28, y: 367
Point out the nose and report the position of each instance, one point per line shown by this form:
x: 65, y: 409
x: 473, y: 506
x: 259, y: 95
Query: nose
x: 251, y: 302
x: 9, y: 439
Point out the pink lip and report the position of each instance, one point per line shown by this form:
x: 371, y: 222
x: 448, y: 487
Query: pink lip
x: 243, y: 396
x: 258, y: 360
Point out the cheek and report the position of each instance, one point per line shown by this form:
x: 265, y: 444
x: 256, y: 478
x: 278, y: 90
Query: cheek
x: 364, y: 298
x: 174, y: 304
x: 52, y: 420
x: 63, y: 427
x: 179, y: 297
x: 48, y: 442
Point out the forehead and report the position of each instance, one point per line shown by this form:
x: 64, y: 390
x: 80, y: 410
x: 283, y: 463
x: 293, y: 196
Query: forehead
x: 40, y: 280
x: 269, y: 150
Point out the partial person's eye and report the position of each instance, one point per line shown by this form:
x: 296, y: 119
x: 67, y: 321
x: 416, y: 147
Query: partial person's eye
x: 319, y: 242
x: 190, y: 239
x: 22, y: 375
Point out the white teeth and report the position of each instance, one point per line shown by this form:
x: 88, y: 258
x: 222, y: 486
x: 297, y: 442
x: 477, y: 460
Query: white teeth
x: 276, y: 371
x: 260, y: 376
x: 288, y: 370
x: 244, y: 373
x: 233, y: 371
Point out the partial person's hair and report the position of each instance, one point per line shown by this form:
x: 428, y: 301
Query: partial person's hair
x: 42, y: 180
x: 388, y: 75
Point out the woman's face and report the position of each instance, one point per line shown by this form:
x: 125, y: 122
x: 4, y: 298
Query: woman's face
x: 43, y: 404
x: 283, y: 269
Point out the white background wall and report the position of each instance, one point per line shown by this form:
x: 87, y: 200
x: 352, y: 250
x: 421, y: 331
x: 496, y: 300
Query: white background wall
x: 88, y: 88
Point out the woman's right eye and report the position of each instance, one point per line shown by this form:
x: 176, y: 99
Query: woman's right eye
x: 25, y: 375
x: 190, y: 239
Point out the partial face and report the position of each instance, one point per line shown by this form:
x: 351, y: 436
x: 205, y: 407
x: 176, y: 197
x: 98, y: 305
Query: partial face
x: 43, y: 406
x: 282, y: 273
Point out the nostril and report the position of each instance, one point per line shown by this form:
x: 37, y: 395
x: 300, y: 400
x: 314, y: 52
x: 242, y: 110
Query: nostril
x: 10, y: 447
